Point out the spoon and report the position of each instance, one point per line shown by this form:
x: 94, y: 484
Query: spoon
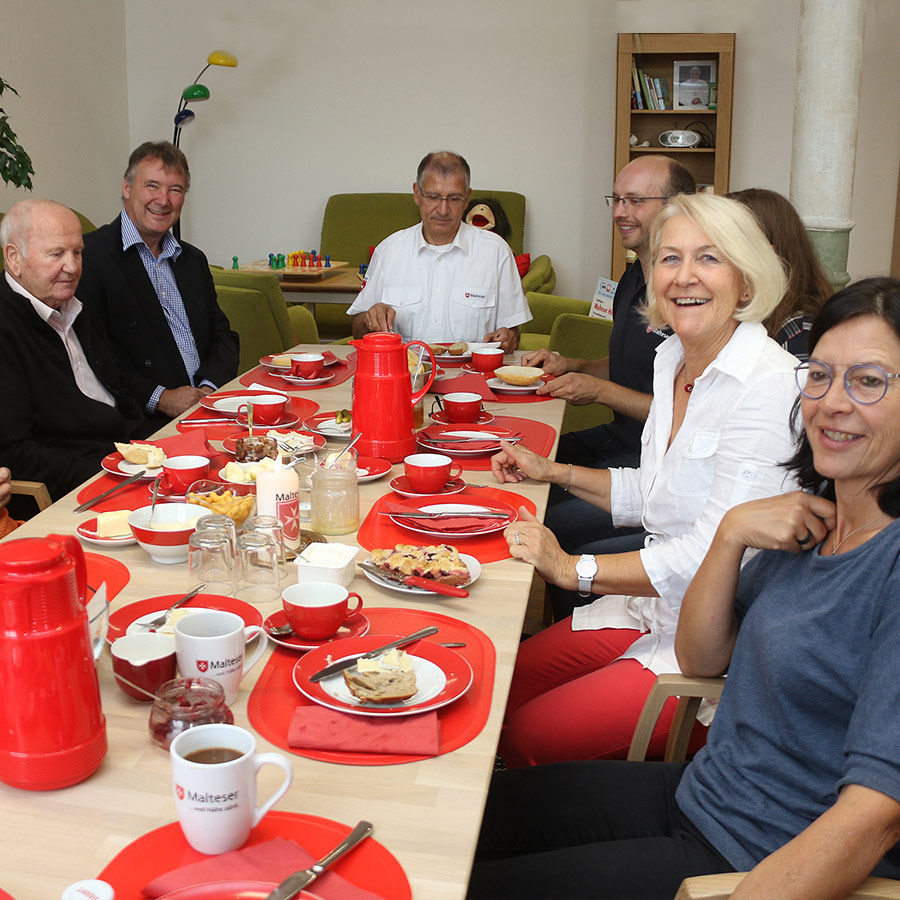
x: 250, y: 420
x: 155, y: 495
x: 334, y: 461
x: 286, y: 630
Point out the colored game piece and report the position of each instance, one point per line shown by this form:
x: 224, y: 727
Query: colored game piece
x: 281, y: 263
x: 327, y: 261
x: 234, y: 263
x: 303, y: 258
x: 318, y: 262
x: 271, y: 260
x: 363, y: 268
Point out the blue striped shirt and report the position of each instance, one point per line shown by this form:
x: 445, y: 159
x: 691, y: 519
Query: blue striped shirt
x: 163, y: 279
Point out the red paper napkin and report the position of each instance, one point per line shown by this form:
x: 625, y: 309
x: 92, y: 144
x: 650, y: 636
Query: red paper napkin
x: 318, y: 728
x: 268, y: 861
x: 468, y: 382
x: 191, y: 443
x: 454, y: 524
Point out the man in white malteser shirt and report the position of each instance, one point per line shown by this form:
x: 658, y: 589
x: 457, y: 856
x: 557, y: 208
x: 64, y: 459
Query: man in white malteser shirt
x: 442, y: 280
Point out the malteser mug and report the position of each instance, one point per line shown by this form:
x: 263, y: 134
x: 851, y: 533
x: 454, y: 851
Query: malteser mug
x: 210, y: 642
x: 214, y: 770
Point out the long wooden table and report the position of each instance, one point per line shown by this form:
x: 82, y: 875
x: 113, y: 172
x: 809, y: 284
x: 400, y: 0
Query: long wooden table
x: 426, y: 813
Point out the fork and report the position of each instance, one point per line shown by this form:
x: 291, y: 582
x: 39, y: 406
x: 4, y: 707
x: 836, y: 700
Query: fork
x: 156, y: 621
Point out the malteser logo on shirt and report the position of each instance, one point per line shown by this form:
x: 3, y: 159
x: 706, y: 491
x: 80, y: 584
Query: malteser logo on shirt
x: 471, y: 295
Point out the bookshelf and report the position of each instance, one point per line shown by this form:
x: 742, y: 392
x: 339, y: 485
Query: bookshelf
x: 654, y: 55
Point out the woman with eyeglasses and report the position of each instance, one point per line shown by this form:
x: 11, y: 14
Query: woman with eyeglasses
x: 799, y: 781
x: 717, y: 434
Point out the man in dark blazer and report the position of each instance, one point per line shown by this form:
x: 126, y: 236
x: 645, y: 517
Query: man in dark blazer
x: 62, y: 403
x: 154, y: 295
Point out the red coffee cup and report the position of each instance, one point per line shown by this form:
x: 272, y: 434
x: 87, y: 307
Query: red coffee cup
x: 487, y: 359
x: 428, y: 473
x: 182, y: 471
x: 146, y: 660
x: 267, y: 410
x: 307, y: 365
x: 462, y: 407
x: 316, y: 609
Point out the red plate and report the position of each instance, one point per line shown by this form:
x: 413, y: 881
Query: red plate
x: 104, y: 568
x: 445, y: 359
x: 300, y: 381
x: 358, y: 628
x: 123, y: 617
x: 373, y: 465
x: 111, y: 461
x: 229, y: 444
x: 401, y: 486
x: 370, y: 865
x: 460, y: 503
x: 329, y: 358
x: 231, y: 890
x: 209, y: 401
x: 314, y: 423
x: 440, y: 417
x: 88, y: 530
x: 437, y: 664
x: 474, y: 447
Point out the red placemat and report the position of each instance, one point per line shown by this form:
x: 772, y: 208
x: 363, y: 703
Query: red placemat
x: 261, y: 375
x: 101, y: 568
x: 371, y: 865
x: 274, y: 696
x: 468, y: 382
x: 537, y: 436
x: 137, y: 494
x: 380, y: 531
x: 299, y: 406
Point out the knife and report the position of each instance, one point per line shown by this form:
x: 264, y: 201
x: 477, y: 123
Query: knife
x: 351, y: 661
x: 488, y: 438
x: 118, y: 487
x: 293, y: 883
x: 459, y: 514
x: 225, y: 421
x: 416, y: 581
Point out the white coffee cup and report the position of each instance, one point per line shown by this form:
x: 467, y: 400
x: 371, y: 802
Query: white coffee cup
x: 216, y: 801
x: 210, y: 642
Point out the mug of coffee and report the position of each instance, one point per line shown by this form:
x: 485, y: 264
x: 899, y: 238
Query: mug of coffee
x: 267, y: 410
x: 462, y: 407
x: 316, y: 609
x: 487, y: 359
x: 182, y: 471
x: 210, y: 642
x: 214, y: 769
x: 307, y: 365
x: 428, y: 473
x: 145, y: 660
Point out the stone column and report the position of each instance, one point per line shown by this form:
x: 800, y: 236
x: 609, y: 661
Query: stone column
x: 826, y: 107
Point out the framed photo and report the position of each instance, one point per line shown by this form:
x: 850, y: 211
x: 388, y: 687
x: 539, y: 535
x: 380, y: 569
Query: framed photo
x: 691, y: 81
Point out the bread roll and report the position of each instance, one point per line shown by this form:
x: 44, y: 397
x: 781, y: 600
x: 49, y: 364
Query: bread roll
x: 520, y: 375
x: 386, y: 679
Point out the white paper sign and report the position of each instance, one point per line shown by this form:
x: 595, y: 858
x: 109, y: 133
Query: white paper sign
x: 602, y: 307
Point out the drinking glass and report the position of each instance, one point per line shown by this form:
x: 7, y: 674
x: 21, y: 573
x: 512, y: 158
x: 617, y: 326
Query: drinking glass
x: 218, y: 522
x: 257, y: 578
x: 211, y: 560
x: 271, y: 526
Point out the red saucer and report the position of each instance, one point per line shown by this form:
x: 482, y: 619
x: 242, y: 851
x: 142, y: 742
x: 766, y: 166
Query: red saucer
x: 401, y: 485
x: 358, y: 627
x: 440, y: 416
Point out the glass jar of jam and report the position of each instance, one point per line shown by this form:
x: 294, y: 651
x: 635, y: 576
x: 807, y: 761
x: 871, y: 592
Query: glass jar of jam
x: 183, y: 703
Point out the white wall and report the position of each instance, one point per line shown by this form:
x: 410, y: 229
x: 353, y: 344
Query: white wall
x: 348, y: 95
x: 67, y: 61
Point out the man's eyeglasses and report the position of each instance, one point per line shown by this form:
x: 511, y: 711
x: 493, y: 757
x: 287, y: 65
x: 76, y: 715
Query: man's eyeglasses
x: 452, y: 200
x: 865, y: 384
x: 613, y: 201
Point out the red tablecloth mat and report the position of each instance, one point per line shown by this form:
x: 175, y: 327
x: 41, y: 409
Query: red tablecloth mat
x: 537, y: 436
x: 300, y: 406
x: 137, y: 494
x: 102, y: 568
x: 342, y: 371
x: 274, y: 696
x: 380, y: 531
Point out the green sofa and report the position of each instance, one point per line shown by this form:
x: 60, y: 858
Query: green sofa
x: 354, y: 222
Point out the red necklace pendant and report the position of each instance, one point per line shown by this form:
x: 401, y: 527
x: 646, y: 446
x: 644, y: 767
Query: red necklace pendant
x: 689, y: 387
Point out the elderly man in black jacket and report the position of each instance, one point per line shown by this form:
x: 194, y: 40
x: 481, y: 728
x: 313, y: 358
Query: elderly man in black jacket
x: 62, y: 401
x: 155, y: 295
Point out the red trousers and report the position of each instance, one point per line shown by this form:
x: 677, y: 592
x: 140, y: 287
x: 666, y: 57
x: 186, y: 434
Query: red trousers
x: 571, y: 699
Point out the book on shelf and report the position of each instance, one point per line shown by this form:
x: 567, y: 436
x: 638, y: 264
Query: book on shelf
x: 662, y: 93
x: 648, y: 96
x: 637, y: 85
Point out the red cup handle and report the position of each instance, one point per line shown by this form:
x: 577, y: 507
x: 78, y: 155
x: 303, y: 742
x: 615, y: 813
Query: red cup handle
x: 356, y: 611
x: 457, y: 473
x: 418, y: 395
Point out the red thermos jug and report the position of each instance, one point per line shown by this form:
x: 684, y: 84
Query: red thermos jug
x: 52, y: 729
x: 383, y: 398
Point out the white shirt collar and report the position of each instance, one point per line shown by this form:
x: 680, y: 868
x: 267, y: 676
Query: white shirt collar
x: 68, y: 311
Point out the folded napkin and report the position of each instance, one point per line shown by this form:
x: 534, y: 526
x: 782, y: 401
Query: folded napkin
x: 451, y: 523
x: 256, y: 386
x: 267, y: 861
x: 469, y: 382
x: 473, y: 445
x: 190, y: 443
x: 317, y: 728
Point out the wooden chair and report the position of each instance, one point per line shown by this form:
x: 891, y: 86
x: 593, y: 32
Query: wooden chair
x: 690, y: 691
x: 36, y: 489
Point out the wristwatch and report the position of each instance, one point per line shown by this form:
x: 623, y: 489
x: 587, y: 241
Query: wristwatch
x: 585, y: 570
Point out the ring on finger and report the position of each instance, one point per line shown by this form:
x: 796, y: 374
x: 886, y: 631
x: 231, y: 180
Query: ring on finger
x: 804, y: 541
x: 516, y: 536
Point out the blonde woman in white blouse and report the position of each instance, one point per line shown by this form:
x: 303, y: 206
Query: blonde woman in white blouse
x: 717, y: 434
